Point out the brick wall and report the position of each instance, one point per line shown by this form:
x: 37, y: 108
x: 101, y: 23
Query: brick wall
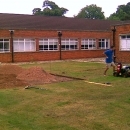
x: 53, y: 55
x: 122, y: 56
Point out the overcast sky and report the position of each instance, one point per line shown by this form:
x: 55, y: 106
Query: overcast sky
x: 74, y: 6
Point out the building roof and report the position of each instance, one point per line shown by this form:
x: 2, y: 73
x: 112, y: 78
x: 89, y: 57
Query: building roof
x: 126, y: 22
x: 33, y: 22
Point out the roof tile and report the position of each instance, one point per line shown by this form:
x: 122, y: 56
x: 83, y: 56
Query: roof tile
x: 38, y: 22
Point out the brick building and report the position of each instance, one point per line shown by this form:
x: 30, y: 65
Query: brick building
x: 25, y: 38
x: 122, y: 41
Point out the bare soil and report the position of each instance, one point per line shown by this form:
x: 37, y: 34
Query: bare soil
x: 12, y: 76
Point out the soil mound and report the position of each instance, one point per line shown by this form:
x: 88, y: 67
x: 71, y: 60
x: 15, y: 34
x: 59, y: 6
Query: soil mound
x: 36, y: 75
x: 15, y: 76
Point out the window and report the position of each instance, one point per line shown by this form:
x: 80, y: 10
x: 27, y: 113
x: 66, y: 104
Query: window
x: 48, y: 44
x: 69, y: 44
x: 104, y: 43
x: 88, y: 44
x: 24, y: 45
x: 4, y: 45
x: 125, y: 42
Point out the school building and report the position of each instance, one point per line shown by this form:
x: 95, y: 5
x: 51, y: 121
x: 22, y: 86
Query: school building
x: 28, y: 38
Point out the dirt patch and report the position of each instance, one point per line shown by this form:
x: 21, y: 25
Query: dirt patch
x: 12, y: 76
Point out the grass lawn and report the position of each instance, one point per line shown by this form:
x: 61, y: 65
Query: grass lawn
x: 72, y: 105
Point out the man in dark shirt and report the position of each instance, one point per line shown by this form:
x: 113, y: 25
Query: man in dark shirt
x: 109, y: 59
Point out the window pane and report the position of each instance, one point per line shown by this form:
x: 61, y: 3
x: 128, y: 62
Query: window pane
x: 69, y: 44
x: 48, y: 44
x: 128, y: 36
x: 16, y: 47
x: 88, y: 44
x: 104, y: 43
x: 1, y: 45
x: 122, y: 37
x: 6, y: 40
x: 27, y: 47
x: 22, y: 45
x: 40, y: 47
x: 125, y: 42
x: 33, y: 47
x: 4, y: 45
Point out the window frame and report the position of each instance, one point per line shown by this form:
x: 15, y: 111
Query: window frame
x: 88, y: 44
x: 69, y: 44
x: 125, y: 38
x: 3, y: 43
x: 104, y: 42
x: 48, y: 44
x: 24, y: 45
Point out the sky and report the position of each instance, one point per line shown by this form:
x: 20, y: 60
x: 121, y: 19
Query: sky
x: 74, y: 6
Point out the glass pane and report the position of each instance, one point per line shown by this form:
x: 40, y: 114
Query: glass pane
x: 100, y: 45
x: 1, y: 45
x: 27, y: 47
x: 50, y: 43
x: 6, y: 40
x: 51, y: 40
x: 16, y: 47
x: 45, y: 47
x: 45, y: 40
x: 21, y: 47
x: 40, y: 47
x: 40, y: 43
x: 27, y: 40
x: 20, y: 40
x: 33, y: 47
x: 128, y: 36
x: 41, y: 40
x: 123, y: 44
x: 6, y: 46
x: 55, y: 47
x: 45, y: 43
x: 122, y: 37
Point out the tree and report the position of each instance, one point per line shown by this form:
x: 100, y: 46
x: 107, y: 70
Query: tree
x: 50, y: 9
x: 113, y: 17
x: 91, y: 12
x: 122, y: 13
x: 36, y: 10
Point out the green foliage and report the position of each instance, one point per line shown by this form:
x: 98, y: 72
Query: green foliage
x: 91, y: 12
x: 113, y: 17
x: 50, y: 9
x: 122, y: 13
x: 36, y: 10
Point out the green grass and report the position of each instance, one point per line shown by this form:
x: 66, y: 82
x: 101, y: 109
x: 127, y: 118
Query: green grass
x: 72, y: 105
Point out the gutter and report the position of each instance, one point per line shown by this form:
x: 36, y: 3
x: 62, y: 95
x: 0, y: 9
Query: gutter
x: 113, y: 37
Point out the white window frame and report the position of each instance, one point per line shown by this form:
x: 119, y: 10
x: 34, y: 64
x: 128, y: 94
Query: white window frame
x: 69, y: 44
x: 104, y: 43
x: 125, y: 42
x: 88, y: 44
x: 48, y: 44
x: 4, y: 45
x: 24, y: 45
